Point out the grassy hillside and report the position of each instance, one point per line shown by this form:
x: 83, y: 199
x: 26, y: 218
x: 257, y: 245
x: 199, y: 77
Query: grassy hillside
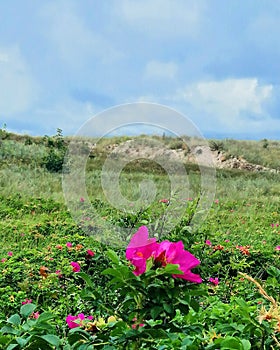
x: 241, y: 233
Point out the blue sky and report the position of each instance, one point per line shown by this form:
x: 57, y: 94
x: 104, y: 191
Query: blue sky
x: 215, y: 61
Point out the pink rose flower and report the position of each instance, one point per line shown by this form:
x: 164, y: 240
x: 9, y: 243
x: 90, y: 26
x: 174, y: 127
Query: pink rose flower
x: 141, y: 248
x: 215, y: 280
x: 174, y: 253
x: 76, y: 266
x: 77, y: 321
x: 27, y: 301
x: 90, y: 252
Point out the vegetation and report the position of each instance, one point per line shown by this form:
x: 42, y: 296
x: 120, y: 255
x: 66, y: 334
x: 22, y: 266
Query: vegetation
x: 67, y: 285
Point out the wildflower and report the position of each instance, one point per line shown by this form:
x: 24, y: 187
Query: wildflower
x: 174, y: 253
x: 27, y: 301
x: 218, y: 247
x: 58, y: 246
x: 82, y: 199
x: 244, y: 249
x: 140, y: 249
x: 135, y: 324
x: 43, y: 271
x: 214, y: 336
x: 227, y: 240
x: 111, y: 319
x: 12, y: 298
x: 164, y: 200
x: 59, y: 274
x: 215, y: 280
x: 10, y: 253
x: 90, y: 253
x: 77, y: 321
x: 277, y: 247
x: 35, y: 315
x: 216, y: 201
x: 3, y: 260
x: 208, y: 242
x: 76, y: 266
x: 68, y: 244
x: 79, y: 246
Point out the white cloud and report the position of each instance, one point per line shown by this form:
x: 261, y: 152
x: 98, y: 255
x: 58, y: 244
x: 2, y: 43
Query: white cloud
x: 227, y: 98
x: 160, y: 70
x: 18, y: 89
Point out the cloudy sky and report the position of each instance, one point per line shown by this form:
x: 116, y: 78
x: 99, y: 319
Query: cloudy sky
x: 215, y: 61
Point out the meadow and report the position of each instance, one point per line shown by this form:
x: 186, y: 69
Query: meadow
x: 68, y: 285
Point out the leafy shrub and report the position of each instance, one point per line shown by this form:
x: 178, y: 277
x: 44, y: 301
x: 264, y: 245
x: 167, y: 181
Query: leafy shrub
x: 54, y: 160
x: 216, y: 145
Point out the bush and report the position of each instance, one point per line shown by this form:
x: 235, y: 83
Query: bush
x: 54, y: 160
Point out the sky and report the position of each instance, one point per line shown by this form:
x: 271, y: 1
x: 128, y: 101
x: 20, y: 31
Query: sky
x: 216, y: 62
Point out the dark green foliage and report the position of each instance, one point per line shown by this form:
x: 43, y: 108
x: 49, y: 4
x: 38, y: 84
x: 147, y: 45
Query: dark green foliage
x: 57, y: 147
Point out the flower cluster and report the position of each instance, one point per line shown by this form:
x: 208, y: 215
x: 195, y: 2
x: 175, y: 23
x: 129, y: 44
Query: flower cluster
x: 89, y: 323
x: 244, y: 249
x: 77, y: 321
x: 142, y: 249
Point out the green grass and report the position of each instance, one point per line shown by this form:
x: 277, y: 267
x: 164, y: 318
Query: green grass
x: 34, y: 220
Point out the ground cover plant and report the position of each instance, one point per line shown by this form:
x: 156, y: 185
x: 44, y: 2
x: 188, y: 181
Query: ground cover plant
x: 215, y: 287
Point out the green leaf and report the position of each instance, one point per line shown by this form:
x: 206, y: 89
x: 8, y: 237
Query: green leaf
x: 172, y: 269
x: 27, y: 309
x: 22, y: 341
x: 112, y: 272
x: 36, y: 342
x: 246, y: 344
x: 187, y: 342
x: 51, y: 339
x: 9, y: 330
x: 155, y: 311
x: 12, y: 346
x: 113, y: 256
x: 44, y: 326
x: 153, y: 323
x: 195, y: 305
x: 14, y: 319
x: 144, y: 222
x: 4, y: 339
x: 77, y: 334
x: 168, y: 308
x: 231, y: 343
x: 45, y: 316
x: 86, y: 278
